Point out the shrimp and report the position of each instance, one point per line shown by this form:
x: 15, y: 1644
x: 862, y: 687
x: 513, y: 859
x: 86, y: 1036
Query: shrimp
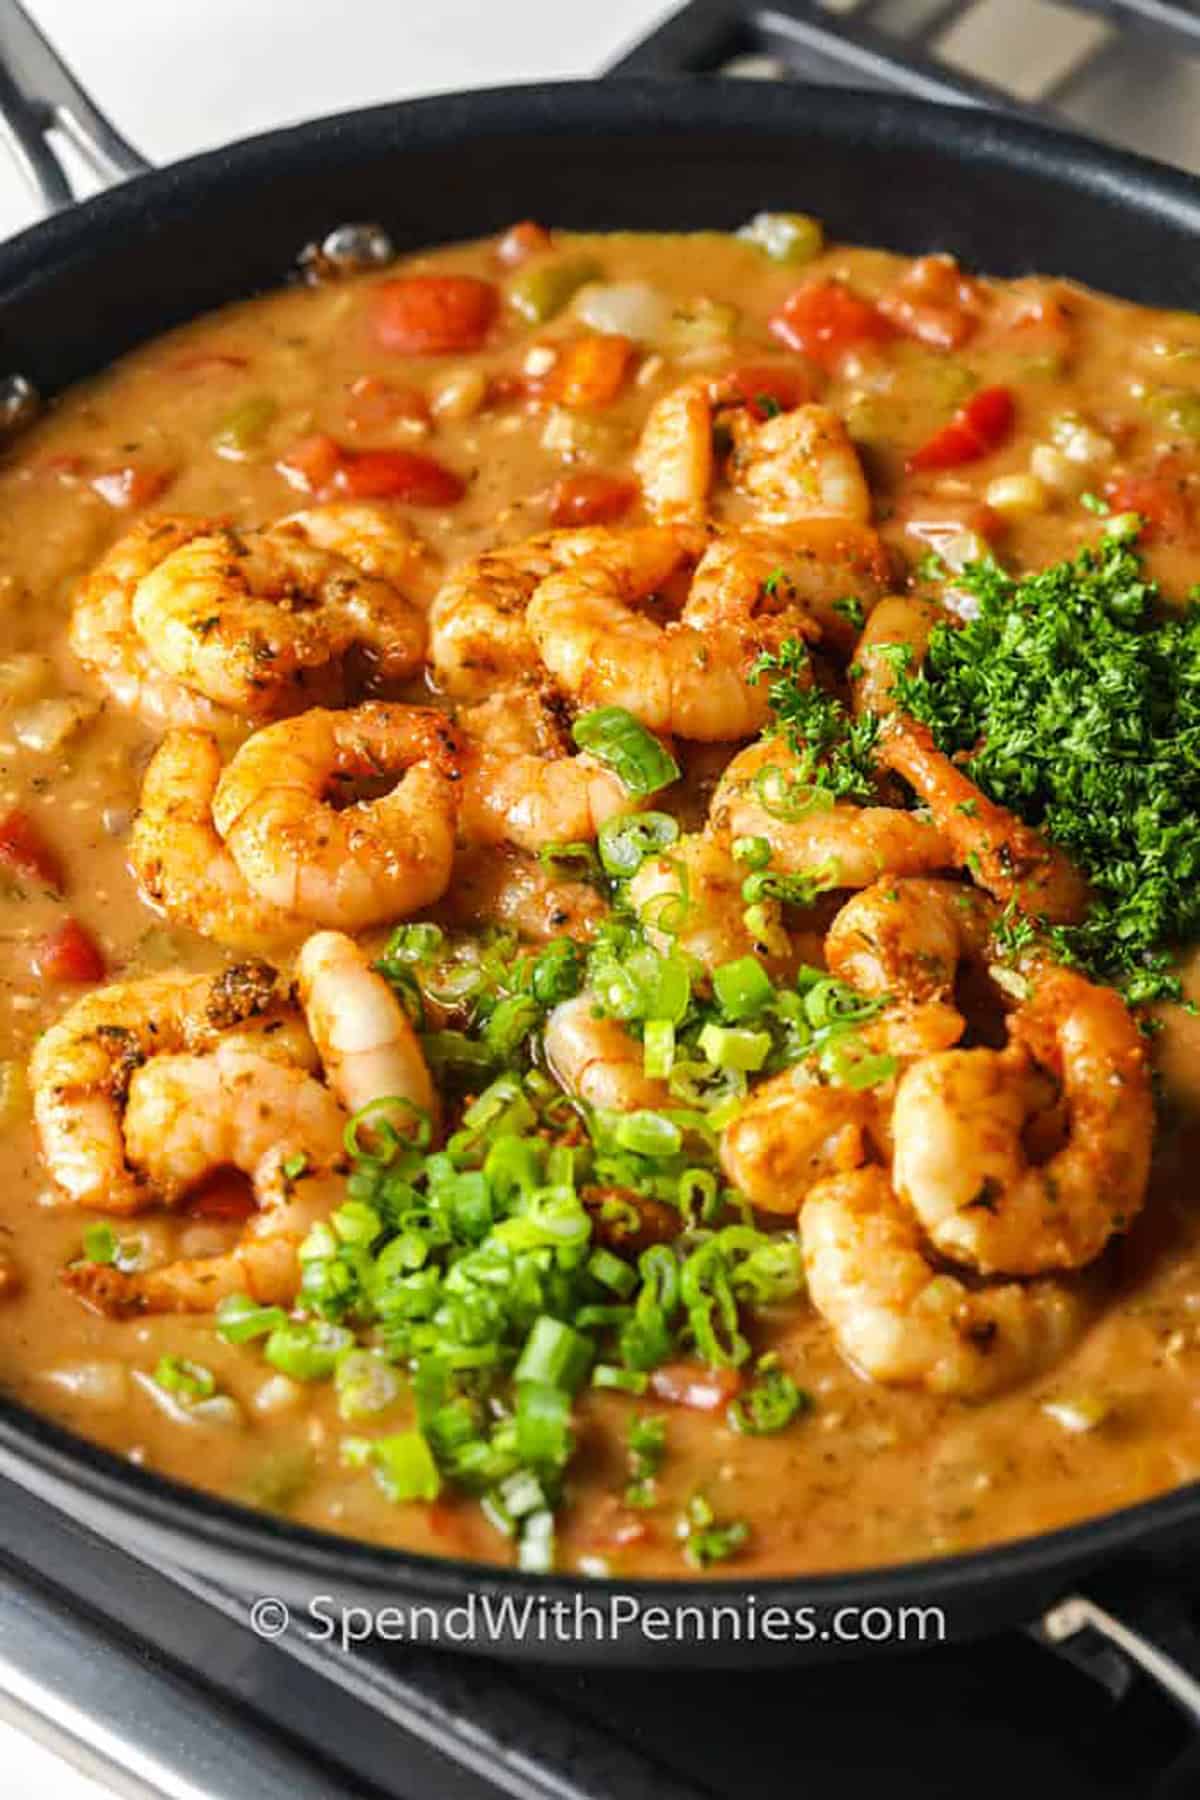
x: 898, y: 1320
x: 375, y: 539
x: 180, y: 862
x: 792, y: 1133
x: 597, y: 1061
x: 674, y: 461
x: 960, y: 1125
x: 372, y: 861
x: 478, y: 639
x: 1006, y: 856
x: 265, y: 622
x: 893, y: 642
x: 764, y: 793
x: 362, y: 1033
x: 908, y: 937
x: 81, y: 1069
x: 498, y: 885
x: 522, y: 784
x: 690, y: 899
x: 264, y: 1263
x: 104, y: 639
x: 798, y: 465
x: 788, y: 581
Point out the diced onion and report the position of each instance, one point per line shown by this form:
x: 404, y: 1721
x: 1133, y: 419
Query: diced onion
x: 459, y: 393
x: 1016, y: 494
x: 1054, y: 469
x: 101, y: 1384
x: 631, y: 309
x: 46, y: 725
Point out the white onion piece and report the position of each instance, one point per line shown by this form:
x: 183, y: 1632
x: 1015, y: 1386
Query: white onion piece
x: 104, y: 1385
x: 46, y: 725
x: 630, y: 309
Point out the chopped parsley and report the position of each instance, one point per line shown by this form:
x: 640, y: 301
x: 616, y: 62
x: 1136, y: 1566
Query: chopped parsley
x: 1073, y: 697
x: 835, y: 749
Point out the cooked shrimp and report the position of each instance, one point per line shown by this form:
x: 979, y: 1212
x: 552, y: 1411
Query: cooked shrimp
x: 907, y: 937
x: 376, y: 859
x: 674, y: 460
x: 81, y: 1069
x: 106, y: 642
x: 843, y: 844
x: 961, y: 1120
x: 893, y: 642
x: 693, y: 680
x: 522, y: 783
x: 181, y: 864
x: 263, y: 1263
x: 498, y: 885
x: 798, y: 465
x: 265, y: 622
x: 690, y: 899
x: 793, y: 1132
x: 597, y: 1061
x: 788, y: 581
x: 1006, y: 856
x: 897, y: 1320
x: 378, y: 541
x: 362, y: 1033
x: 478, y: 639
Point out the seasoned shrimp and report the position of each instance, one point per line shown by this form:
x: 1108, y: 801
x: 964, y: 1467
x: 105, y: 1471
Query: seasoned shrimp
x: 690, y: 899
x: 522, y: 782
x: 798, y: 465
x: 792, y: 1133
x: 106, y: 642
x: 674, y: 460
x: 374, y: 860
x: 597, y: 1061
x: 788, y: 581
x: 893, y: 642
x: 374, y: 538
x: 363, y: 1036
x: 499, y: 885
x: 907, y: 937
x: 763, y: 793
x: 265, y: 622
x: 81, y: 1069
x: 1006, y: 856
x: 478, y: 640
x: 898, y: 1320
x: 181, y: 864
x: 263, y: 1263
x: 961, y: 1122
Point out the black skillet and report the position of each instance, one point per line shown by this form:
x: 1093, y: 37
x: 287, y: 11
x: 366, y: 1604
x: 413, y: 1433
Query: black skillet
x: 97, y: 278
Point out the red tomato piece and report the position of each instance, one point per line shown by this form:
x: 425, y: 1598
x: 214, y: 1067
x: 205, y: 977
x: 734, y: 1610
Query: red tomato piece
x: 396, y: 475
x: 131, y: 485
x: 979, y: 426
x: 825, y: 319
x: 590, y: 371
x: 69, y: 953
x: 25, y: 853
x: 311, y: 463
x: 433, y: 315
x: 1159, y: 496
x: 694, y: 1385
x: 765, y: 388
x: 372, y: 402
x: 590, y: 498
x: 520, y: 242
x: 935, y: 303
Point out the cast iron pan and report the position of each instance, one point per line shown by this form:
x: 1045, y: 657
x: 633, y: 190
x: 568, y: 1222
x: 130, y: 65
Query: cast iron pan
x: 97, y: 278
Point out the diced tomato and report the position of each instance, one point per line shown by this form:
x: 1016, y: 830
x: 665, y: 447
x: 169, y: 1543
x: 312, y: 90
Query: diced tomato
x: 590, y: 371
x: 131, y: 485
x: 311, y: 463
x: 397, y: 475
x: 25, y: 853
x: 590, y: 498
x: 765, y: 388
x: 978, y: 427
x: 520, y: 242
x: 934, y: 302
x: 372, y: 402
x: 694, y: 1385
x: 69, y: 953
x: 506, y: 387
x: 825, y: 319
x: 1159, y: 495
x: 227, y: 1196
x: 433, y: 315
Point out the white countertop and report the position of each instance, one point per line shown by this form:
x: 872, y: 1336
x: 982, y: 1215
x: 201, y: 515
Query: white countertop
x: 180, y: 75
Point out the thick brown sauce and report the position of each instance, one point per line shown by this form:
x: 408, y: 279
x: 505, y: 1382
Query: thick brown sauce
x: 873, y: 1475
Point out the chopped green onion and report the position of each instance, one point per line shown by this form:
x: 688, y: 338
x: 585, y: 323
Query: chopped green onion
x: 188, y: 1381
x: 707, y: 1540
x: 658, y: 1048
x: 544, y: 1436
x: 366, y: 1383
x: 535, y: 1552
x: 570, y: 862
x: 307, y: 1352
x: 612, y: 1272
x: 624, y: 745
x: 742, y: 988
x: 555, y: 1354
x: 627, y: 1381
x: 625, y: 842
x: 241, y: 1319
x: 242, y: 429
x: 647, y: 1133
x: 728, y: 1047
x: 100, y: 1244
x: 773, y: 1402
x: 403, y: 1464
x: 752, y: 852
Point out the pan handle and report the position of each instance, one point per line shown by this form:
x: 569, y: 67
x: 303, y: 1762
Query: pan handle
x: 1088, y: 1635
x: 39, y: 95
